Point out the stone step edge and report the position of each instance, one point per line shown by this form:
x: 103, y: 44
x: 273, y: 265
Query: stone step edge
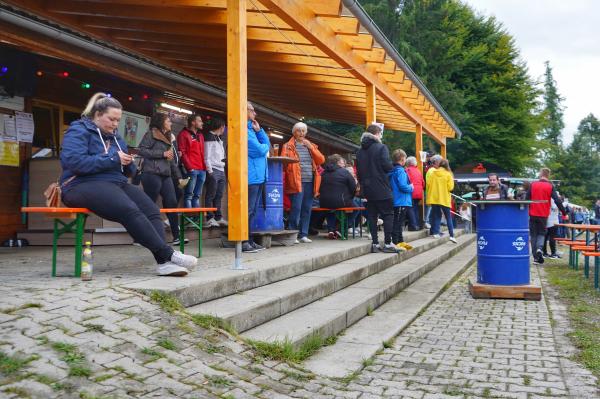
x: 342, y: 319
x: 348, y: 354
x: 203, y: 286
x: 265, y: 309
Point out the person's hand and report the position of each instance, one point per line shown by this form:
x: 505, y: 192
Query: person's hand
x: 183, y: 182
x: 168, y: 154
x: 307, y: 144
x: 255, y: 126
x: 126, y: 159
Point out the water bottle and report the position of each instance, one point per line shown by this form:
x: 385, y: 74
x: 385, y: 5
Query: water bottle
x: 86, y: 264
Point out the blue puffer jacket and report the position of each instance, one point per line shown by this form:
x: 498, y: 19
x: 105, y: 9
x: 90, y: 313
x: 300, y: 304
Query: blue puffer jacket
x: 401, y: 186
x: 258, y: 148
x: 83, y: 156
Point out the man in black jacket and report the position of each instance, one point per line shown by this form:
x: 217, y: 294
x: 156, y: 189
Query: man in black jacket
x: 373, y: 165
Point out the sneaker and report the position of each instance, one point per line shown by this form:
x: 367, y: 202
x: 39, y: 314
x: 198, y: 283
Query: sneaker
x: 305, y: 240
x: 257, y: 246
x: 137, y: 244
x: 177, y: 242
x: 171, y: 269
x: 379, y: 222
x: 331, y: 235
x: 212, y: 223
x: 166, y: 222
x: 452, y: 239
x: 390, y: 249
x: 248, y: 248
x: 296, y: 242
x: 545, y: 255
x: 554, y: 256
x: 436, y: 235
x: 375, y: 248
x: 540, y: 257
x: 223, y: 222
x: 427, y: 226
x: 187, y: 261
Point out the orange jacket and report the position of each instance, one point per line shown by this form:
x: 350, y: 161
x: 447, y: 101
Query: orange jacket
x: 293, y: 180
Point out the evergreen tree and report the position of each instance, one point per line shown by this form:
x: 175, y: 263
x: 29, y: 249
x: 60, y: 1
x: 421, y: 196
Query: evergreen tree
x: 553, y: 110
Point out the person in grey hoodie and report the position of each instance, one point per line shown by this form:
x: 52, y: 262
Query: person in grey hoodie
x: 214, y: 158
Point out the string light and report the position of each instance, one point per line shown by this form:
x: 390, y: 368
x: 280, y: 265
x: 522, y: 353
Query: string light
x: 65, y: 74
x: 129, y: 98
x: 3, y: 70
x: 85, y: 85
x: 39, y: 73
x: 145, y: 96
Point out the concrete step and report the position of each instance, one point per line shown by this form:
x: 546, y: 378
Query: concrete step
x: 363, y: 339
x: 251, y: 308
x: 211, y: 283
x: 336, y: 312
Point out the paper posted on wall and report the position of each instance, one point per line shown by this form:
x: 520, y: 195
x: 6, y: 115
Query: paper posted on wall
x: 9, y: 153
x: 25, y: 126
x: 8, y: 128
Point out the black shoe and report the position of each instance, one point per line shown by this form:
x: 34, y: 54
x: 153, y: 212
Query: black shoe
x: 540, y: 256
x: 257, y: 247
x: 375, y: 248
x: 248, y: 248
x: 390, y: 249
x: 554, y: 256
x: 177, y: 242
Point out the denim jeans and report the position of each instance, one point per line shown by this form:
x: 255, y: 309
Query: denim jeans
x: 254, y: 195
x: 194, y: 188
x: 215, y: 186
x: 436, y: 219
x: 414, y: 223
x: 301, y: 209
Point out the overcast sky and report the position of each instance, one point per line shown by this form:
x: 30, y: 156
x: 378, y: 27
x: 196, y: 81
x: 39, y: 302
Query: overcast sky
x: 564, y: 32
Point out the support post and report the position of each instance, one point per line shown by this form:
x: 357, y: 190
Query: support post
x: 419, y: 146
x: 371, y: 101
x: 443, y: 150
x: 237, y: 118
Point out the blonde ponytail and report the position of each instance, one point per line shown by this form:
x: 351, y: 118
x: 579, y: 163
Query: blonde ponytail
x: 100, y: 102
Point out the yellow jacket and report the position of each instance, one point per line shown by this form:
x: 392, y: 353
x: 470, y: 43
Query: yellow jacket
x: 440, y: 183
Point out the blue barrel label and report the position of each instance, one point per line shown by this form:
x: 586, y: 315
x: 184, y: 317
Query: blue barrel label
x: 482, y: 242
x: 519, y: 244
x: 274, y: 195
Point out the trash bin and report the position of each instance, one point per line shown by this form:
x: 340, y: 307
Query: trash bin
x: 503, y: 242
x: 269, y: 216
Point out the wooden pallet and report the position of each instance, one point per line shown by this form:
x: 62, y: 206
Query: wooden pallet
x: 487, y: 291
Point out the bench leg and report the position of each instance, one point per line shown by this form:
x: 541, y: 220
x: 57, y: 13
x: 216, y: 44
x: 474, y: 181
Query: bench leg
x: 596, y: 271
x: 54, y: 247
x: 79, y: 223
x: 181, y: 233
x: 200, y: 217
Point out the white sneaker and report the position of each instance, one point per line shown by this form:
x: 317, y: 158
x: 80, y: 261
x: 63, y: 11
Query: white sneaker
x: 436, y: 236
x: 427, y: 226
x: 212, y: 223
x: 379, y: 222
x: 453, y: 239
x: 183, y: 260
x: 305, y: 240
x: 223, y: 223
x: 166, y: 222
x: 171, y: 269
x: 296, y: 242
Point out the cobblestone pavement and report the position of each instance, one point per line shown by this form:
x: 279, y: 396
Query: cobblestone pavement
x: 97, y: 340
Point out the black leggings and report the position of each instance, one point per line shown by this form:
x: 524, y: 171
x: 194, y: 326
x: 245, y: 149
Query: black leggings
x: 155, y: 185
x: 125, y: 204
x: 385, y: 210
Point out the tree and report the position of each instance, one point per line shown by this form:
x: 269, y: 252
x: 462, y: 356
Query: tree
x: 553, y: 110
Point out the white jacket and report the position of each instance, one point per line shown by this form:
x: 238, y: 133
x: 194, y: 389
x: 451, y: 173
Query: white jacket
x: 214, y: 152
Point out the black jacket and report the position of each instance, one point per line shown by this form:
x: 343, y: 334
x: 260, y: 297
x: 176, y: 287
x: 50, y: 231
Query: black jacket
x: 152, y: 149
x: 337, y: 187
x: 503, y: 192
x: 373, y: 165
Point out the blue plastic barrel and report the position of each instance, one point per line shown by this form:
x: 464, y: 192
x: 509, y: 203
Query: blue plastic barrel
x: 503, y: 243
x: 270, y: 218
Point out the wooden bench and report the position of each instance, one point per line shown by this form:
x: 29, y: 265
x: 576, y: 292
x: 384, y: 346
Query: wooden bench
x: 77, y: 226
x: 596, y: 256
x: 342, y: 217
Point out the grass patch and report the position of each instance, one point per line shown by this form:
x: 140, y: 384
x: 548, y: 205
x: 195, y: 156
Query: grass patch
x: 285, y: 350
x: 11, y: 365
x: 218, y: 381
x: 167, y: 344
x: 152, y: 353
x: 583, y: 307
x: 22, y: 307
x: 103, y: 377
x: 297, y: 376
x: 369, y: 310
x: 209, y: 322
x: 20, y: 392
x: 74, y: 359
x: 388, y: 344
x: 211, y: 348
x: 526, y: 380
x: 368, y: 362
x: 94, y: 327
x: 453, y: 391
x: 167, y: 302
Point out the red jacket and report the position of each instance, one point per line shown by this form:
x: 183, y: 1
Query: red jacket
x: 543, y: 190
x: 191, y: 146
x: 416, y: 179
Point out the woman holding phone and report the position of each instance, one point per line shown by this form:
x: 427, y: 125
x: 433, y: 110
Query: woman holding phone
x: 95, y: 167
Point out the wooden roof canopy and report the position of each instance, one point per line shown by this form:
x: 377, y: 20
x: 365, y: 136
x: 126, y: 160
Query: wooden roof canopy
x: 308, y: 58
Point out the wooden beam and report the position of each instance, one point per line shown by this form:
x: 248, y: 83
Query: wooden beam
x: 371, y: 106
x: 304, y: 21
x: 443, y: 149
x: 419, y: 146
x: 237, y: 117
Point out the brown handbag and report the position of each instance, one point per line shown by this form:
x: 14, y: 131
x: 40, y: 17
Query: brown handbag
x: 53, y: 193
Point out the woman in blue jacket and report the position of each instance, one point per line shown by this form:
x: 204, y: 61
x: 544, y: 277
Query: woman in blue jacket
x: 95, y: 167
x: 402, y: 190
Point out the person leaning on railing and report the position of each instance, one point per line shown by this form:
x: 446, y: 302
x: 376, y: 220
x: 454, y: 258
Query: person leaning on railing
x: 95, y: 167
